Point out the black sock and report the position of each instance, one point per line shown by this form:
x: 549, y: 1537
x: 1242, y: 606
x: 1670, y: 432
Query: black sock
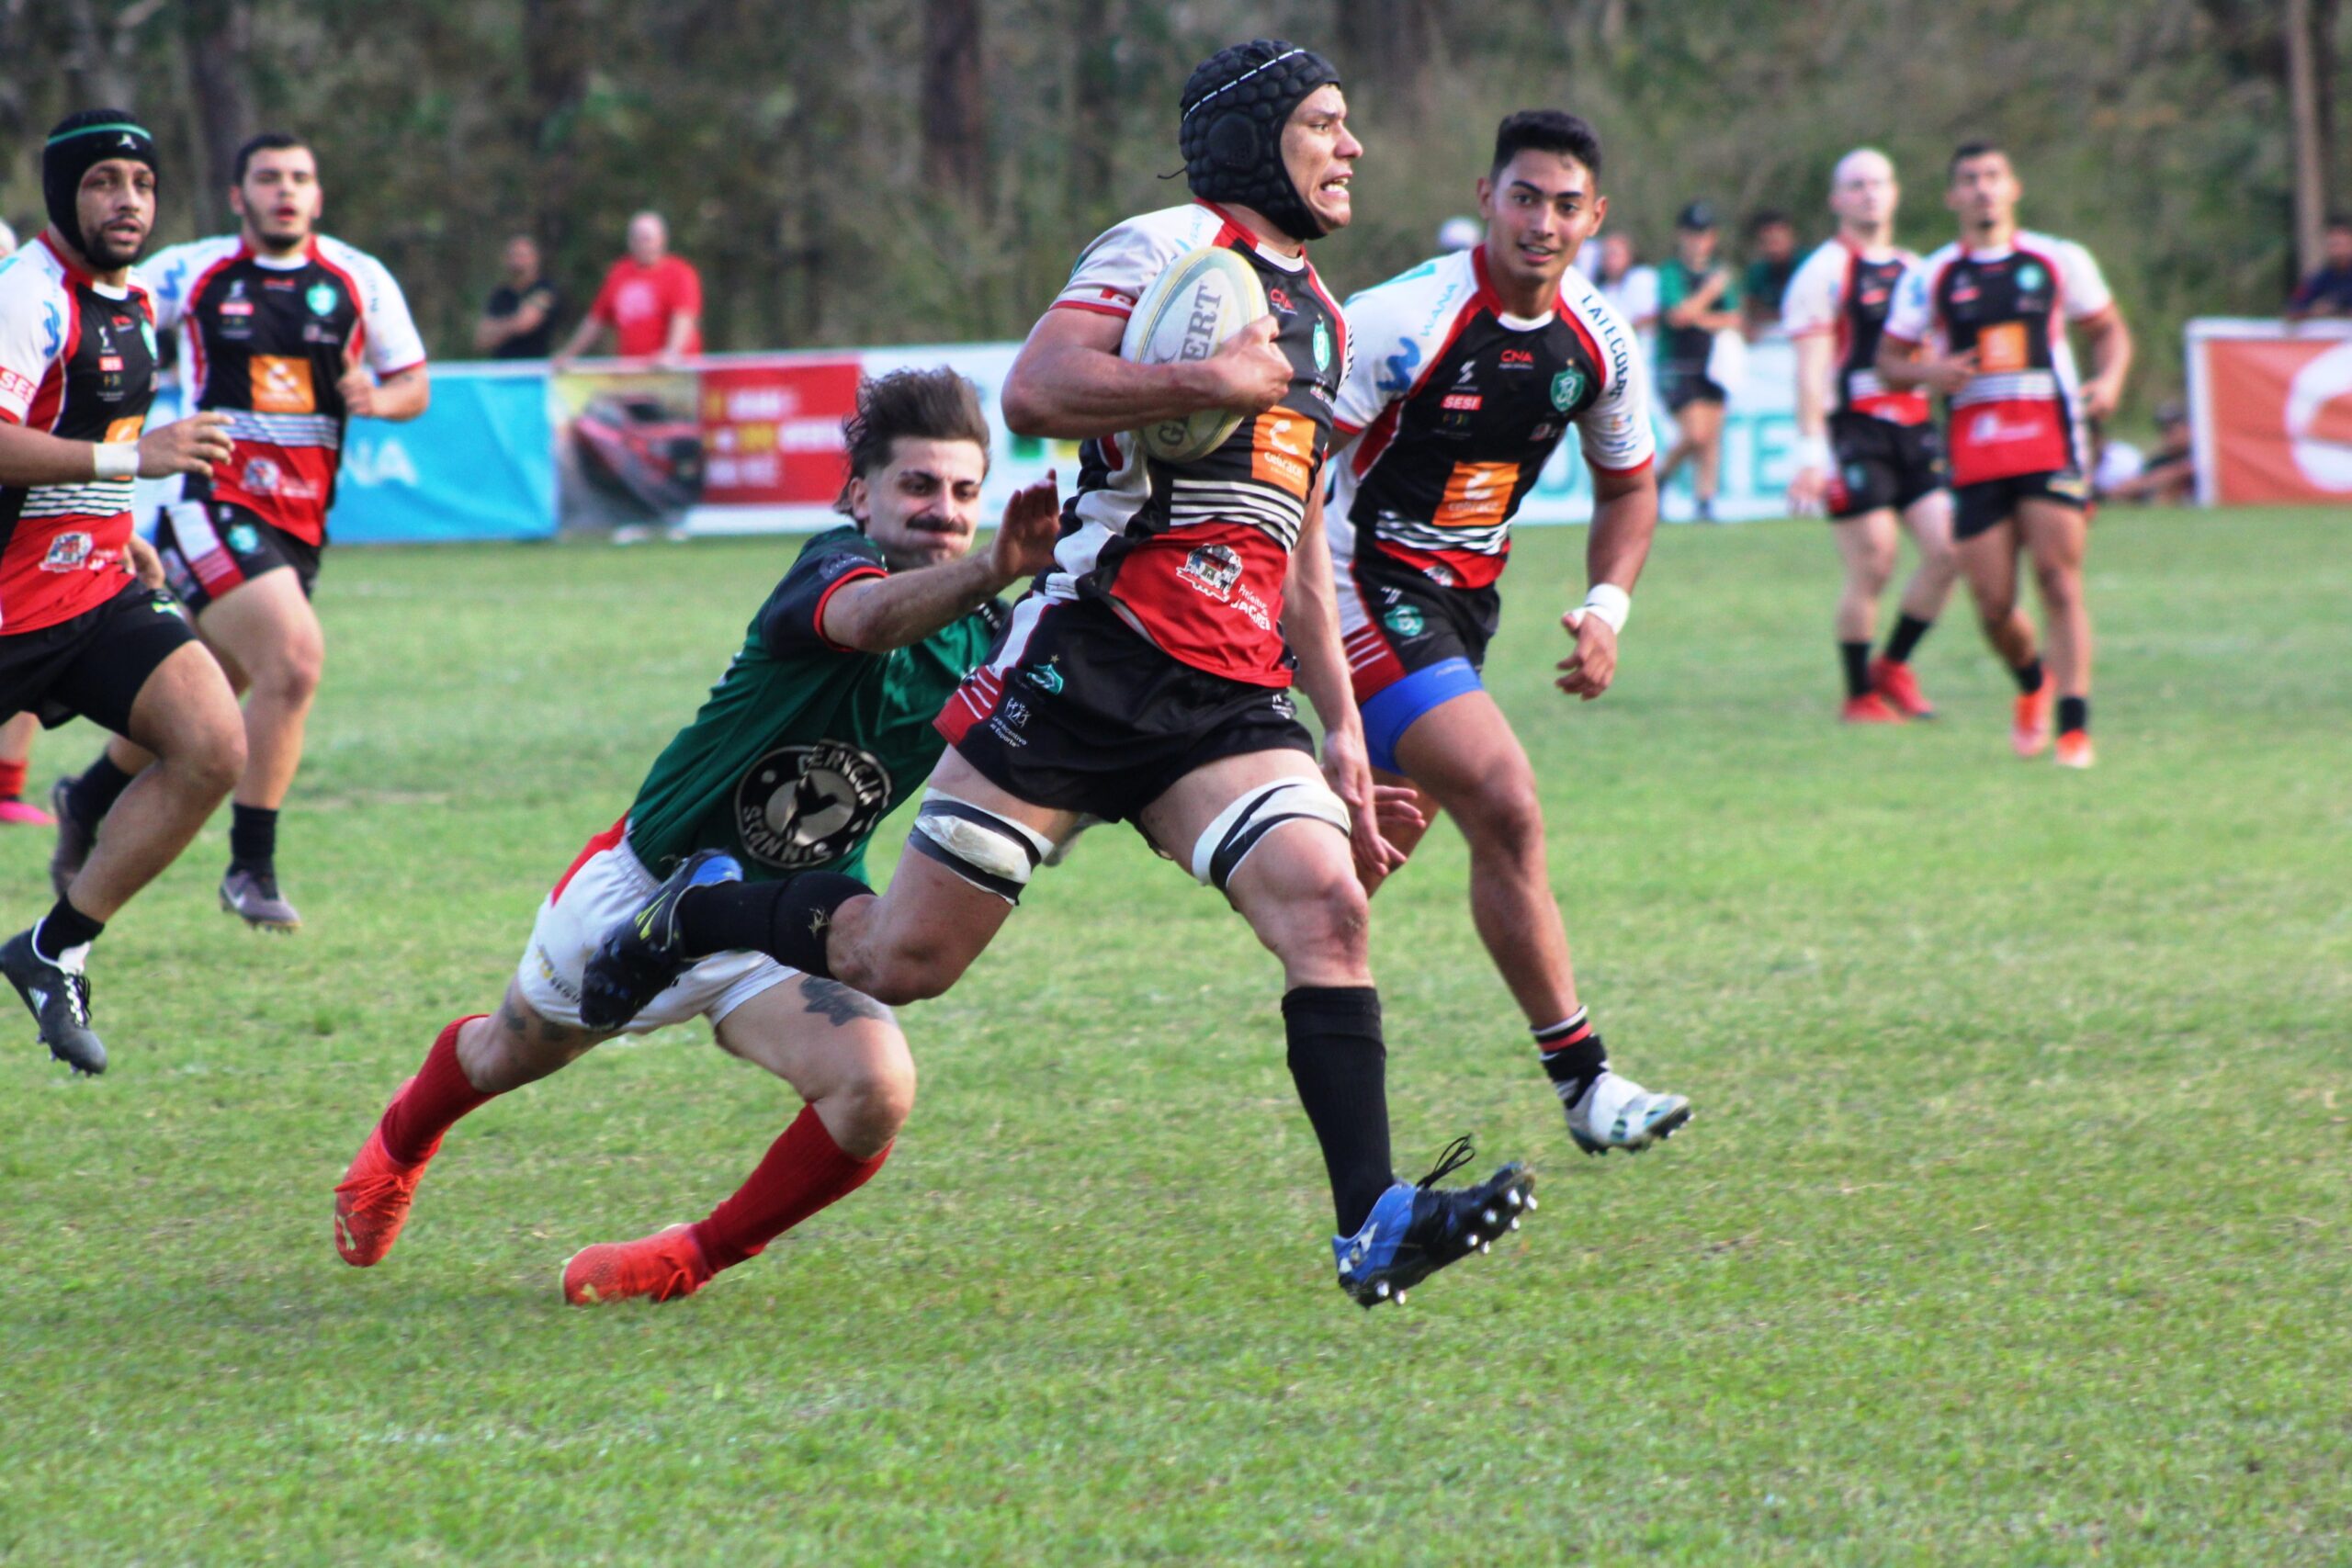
x: 92, y: 795
x: 2073, y: 713
x: 1907, y: 633
x: 1341, y: 1070
x: 1856, y: 656
x: 2029, y: 676
x: 64, y: 926
x: 1572, y: 1055
x: 787, y: 920
x: 253, y: 838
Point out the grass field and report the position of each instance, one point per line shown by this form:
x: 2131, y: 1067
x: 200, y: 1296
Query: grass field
x: 2012, y: 1228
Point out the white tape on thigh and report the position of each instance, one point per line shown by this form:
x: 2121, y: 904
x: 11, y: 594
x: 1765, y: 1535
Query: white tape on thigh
x: 1243, y: 826
x: 986, y: 850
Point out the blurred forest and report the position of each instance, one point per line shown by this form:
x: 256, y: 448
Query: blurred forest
x: 892, y: 171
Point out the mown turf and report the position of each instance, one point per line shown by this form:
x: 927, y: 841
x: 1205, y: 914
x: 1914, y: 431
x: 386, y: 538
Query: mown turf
x: 2012, y: 1228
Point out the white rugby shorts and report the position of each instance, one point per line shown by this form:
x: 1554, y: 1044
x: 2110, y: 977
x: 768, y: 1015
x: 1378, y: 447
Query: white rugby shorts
x: 605, y: 887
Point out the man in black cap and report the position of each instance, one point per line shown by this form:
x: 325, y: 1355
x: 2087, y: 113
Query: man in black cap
x: 80, y: 633
x: 1147, y: 678
x: 1697, y: 298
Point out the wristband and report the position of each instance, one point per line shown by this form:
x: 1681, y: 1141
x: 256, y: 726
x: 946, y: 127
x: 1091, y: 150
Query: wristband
x: 1813, y: 452
x: 116, y: 459
x: 1611, y: 602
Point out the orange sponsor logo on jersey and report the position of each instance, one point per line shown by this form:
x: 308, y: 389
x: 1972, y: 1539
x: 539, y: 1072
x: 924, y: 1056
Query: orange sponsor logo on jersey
x: 1476, y: 495
x: 282, y: 385
x: 125, y: 430
x: 2000, y: 348
x: 1282, y: 450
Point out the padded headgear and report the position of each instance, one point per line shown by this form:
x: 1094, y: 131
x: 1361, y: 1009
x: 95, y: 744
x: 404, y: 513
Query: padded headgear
x: 79, y: 141
x: 1231, y: 134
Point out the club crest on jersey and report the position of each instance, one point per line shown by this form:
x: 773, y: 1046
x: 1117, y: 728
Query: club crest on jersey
x: 244, y: 540
x: 319, y: 296
x: 1047, y: 677
x: 1566, y: 387
x: 802, y: 805
x: 1322, y: 345
x: 1405, y: 620
x: 2031, y: 277
x: 1212, y: 569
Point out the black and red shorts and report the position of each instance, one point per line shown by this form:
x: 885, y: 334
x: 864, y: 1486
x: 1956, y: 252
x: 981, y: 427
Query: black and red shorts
x: 1412, y: 643
x: 1881, y: 464
x: 1079, y: 712
x: 211, y: 547
x: 1979, y: 508
x: 95, y: 664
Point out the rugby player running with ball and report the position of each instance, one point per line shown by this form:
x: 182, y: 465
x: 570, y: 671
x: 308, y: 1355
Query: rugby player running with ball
x: 1147, y: 678
x: 819, y: 728
x: 1468, y: 371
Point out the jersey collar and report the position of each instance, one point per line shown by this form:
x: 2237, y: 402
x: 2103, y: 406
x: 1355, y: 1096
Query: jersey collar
x: 78, y: 275
x: 1494, y: 301
x: 1288, y: 264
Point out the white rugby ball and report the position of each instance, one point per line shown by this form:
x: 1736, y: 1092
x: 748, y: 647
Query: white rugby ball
x: 1204, y: 298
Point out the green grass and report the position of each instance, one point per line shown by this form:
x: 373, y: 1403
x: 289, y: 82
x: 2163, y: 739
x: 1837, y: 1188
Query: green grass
x: 2012, y: 1228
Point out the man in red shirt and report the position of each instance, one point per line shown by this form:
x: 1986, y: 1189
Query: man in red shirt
x: 652, y: 299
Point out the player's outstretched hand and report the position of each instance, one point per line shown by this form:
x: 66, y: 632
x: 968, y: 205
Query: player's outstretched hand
x: 1348, y: 770
x: 1023, y: 546
x: 191, y: 446
x: 1586, y: 673
x: 141, y: 562
x: 1250, y: 373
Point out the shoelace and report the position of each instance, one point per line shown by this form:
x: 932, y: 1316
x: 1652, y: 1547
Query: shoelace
x: 1456, y: 1154
x: 77, y: 996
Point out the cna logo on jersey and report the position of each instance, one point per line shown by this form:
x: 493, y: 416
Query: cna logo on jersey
x: 802, y: 805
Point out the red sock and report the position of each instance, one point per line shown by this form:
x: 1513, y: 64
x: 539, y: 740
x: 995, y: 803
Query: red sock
x: 802, y: 1172
x: 429, y: 1107
x: 12, y: 781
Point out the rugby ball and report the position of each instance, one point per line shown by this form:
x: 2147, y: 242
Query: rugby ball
x: 1204, y: 298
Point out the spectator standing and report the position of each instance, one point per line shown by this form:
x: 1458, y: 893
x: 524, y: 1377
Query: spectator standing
x: 519, y: 320
x: 2328, y: 291
x: 1772, y: 249
x: 1627, y: 284
x: 651, y: 300
x: 1696, y: 299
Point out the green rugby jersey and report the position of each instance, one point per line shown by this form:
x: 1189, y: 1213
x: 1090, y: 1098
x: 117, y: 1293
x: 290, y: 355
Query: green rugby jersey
x: 1686, y: 348
x: 804, y: 747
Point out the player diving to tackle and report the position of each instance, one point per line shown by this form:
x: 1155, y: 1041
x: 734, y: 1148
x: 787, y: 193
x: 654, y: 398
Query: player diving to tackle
x: 1469, y: 370
x: 290, y: 333
x: 819, y: 728
x: 1984, y: 322
x: 1866, y: 452
x: 77, y: 372
x: 1147, y: 678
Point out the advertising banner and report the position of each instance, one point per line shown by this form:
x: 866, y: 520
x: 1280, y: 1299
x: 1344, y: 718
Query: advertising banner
x: 2271, y: 411
x: 753, y: 442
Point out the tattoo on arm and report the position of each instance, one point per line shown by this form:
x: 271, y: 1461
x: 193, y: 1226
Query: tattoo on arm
x: 837, y: 1004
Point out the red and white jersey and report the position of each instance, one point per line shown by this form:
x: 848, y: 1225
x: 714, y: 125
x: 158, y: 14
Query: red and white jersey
x: 1193, y: 555
x: 2021, y: 413
x: 265, y: 340
x: 77, y: 359
x: 1845, y: 291
x: 1461, y: 404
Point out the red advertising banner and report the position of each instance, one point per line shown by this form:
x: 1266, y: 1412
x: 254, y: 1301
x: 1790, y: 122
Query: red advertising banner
x: 2272, y: 411
x: 771, y: 434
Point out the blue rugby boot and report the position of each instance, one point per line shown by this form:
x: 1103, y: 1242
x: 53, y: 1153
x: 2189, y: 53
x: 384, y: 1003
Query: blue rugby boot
x: 1414, y: 1230
x: 639, y: 955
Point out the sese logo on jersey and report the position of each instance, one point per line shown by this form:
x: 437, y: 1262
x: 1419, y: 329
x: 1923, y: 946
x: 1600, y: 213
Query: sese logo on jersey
x: 802, y: 805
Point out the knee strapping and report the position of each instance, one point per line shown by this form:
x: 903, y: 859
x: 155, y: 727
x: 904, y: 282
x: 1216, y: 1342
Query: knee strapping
x: 987, y: 850
x: 1243, y: 826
